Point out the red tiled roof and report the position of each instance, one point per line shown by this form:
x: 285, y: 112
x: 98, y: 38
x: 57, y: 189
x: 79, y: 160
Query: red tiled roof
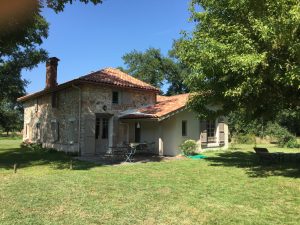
x: 108, y: 76
x: 165, y: 105
x: 116, y: 77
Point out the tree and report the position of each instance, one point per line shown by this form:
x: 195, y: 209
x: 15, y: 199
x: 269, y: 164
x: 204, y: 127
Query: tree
x: 149, y: 66
x: 22, y: 30
x: 244, y: 55
x: 154, y: 68
x: 10, y: 117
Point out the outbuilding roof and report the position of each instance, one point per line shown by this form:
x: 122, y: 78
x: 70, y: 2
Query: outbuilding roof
x: 165, y: 106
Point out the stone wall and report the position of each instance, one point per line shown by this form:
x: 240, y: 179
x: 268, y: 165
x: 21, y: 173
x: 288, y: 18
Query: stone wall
x: 40, y: 111
x: 98, y: 100
x: 40, y: 118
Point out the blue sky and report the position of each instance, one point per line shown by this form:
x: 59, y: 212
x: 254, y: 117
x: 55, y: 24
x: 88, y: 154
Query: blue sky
x: 87, y: 38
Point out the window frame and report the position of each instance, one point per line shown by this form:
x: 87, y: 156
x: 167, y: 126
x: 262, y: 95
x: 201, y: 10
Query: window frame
x: 211, y: 131
x: 97, y: 128
x: 104, y: 128
x: 115, y: 97
x: 137, y: 132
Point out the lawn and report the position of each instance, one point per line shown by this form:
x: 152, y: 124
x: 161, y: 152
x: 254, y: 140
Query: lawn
x: 229, y: 187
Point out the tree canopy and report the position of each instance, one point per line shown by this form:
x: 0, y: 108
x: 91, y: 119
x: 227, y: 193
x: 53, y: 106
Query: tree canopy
x: 22, y: 31
x: 154, y: 68
x: 244, y: 55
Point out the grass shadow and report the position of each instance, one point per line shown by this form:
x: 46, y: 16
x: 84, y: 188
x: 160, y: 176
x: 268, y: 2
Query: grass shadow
x: 25, y: 157
x: 254, y: 166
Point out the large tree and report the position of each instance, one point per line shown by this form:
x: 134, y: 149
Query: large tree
x: 22, y: 30
x: 154, y: 68
x: 244, y: 55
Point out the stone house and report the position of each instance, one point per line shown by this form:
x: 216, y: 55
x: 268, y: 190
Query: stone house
x: 92, y: 113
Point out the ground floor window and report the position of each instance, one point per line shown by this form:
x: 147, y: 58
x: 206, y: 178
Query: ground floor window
x: 104, y: 128
x: 97, y: 133
x: 184, y: 128
x: 137, y: 132
x: 211, y: 130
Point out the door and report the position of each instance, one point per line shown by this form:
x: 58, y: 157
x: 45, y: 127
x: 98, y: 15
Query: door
x: 89, y: 135
x: 101, y: 134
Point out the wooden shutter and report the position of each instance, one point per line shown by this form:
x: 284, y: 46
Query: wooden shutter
x: 221, y: 131
x: 89, y: 134
x: 203, y: 131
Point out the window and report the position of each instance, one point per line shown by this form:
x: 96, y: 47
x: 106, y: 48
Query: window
x: 137, y: 137
x: 184, y: 128
x: 54, y: 100
x: 101, y: 125
x: 211, y: 128
x: 115, y: 97
x: 104, y: 128
x: 97, y: 133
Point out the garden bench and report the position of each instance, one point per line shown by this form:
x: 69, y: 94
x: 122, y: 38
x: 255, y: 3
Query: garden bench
x: 265, y: 156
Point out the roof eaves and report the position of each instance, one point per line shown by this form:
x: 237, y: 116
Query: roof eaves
x: 170, y: 114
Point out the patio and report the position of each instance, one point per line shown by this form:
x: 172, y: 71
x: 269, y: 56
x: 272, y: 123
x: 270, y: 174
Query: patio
x: 138, y: 158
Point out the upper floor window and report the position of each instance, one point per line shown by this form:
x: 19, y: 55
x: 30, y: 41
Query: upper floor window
x: 115, y: 97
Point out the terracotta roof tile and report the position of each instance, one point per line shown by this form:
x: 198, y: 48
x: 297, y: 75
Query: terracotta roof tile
x: 116, y: 77
x: 164, y: 106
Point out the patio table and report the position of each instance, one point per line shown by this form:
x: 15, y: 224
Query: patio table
x: 132, y: 150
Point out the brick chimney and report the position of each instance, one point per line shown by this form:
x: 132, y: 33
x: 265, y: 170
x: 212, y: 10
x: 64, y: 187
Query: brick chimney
x: 51, y: 72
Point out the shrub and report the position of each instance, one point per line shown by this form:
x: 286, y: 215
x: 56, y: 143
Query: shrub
x: 282, y: 135
x: 244, y: 138
x: 188, y: 147
x: 37, y: 147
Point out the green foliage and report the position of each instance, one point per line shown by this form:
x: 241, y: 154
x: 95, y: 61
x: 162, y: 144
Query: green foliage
x: 188, y: 147
x: 31, y: 146
x: 244, y: 55
x: 148, y: 66
x: 19, y: 50
x: 154, y: 68
x: 282, y: 135
x: 59, y: 5
x: 22, y: 31
x: 244, y: 138
x: 290, y: 119
x: 36, y: 147
x: 11, y: 118
x: 240, y: 124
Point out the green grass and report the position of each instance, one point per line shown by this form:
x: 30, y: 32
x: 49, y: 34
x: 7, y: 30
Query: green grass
x: 225, y: 188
